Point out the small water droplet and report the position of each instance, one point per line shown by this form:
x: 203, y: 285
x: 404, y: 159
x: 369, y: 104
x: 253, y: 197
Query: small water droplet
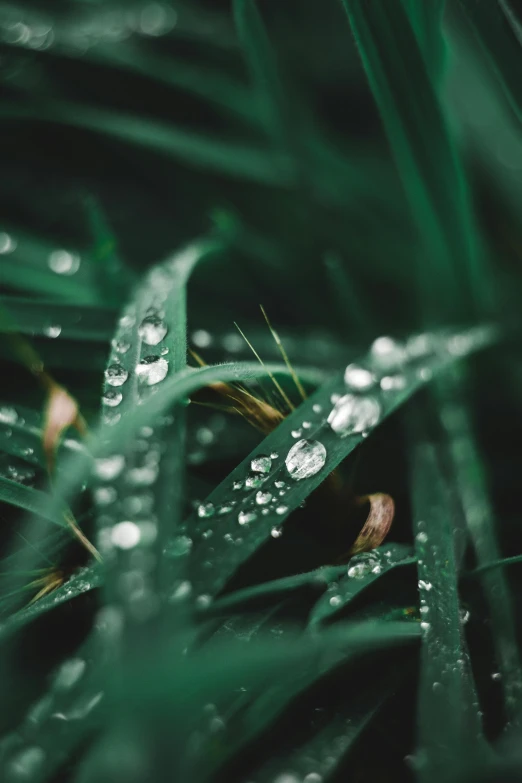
x: 201, y: 338
x: 69, y: 673
x: 120, y: 346
x: 387, y: 353
x: 104, y: 496
x: 274, y: 455
x: 262, y: 498
x: 181, y: 591
x: 125, y: 535
x: 425, y: 626
x: 203, y: 601
x: 116, y: 375
x: 206, y: 510
x: 317, y: 408
x: 261, y: 464
x: 358, y: 378
x: 254, y: 480
x: 424, y: 609
x: 307, y: 425
x: 152, y: 370
x: 244, y: 517
x: 237, y: 485
x: 352, y: 414
x: 296, y: 433
x: 305, y: 459
x: 496, y: 676
x: 423, y: 585
x: 152, y: 330
x: 279, y: 484
x: 112, y: 398
x: 421, y: 537
x: 276, y: 532
x: 393, y: 383
x: 7, y: 243
x: 281, y: 510
x: 8, y: 415
x: 64, y: 263
x: 464, y: 615
x: 52, y: 331
x: 335, y: 600
x: 108, y: 468
x: 205, y: 436
x: 225, y: 508
x: 313, y: 777
x: 437, y: 686
x: 178, y: 547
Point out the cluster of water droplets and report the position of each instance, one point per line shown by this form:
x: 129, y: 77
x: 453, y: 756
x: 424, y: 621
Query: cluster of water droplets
x: 80, y: 32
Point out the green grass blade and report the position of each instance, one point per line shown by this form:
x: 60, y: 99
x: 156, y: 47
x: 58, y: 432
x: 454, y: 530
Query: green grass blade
x: 31, y: 317
x: 453, y: 274
x: 449, y: 724
x: 29, y: 499
x: 426, y: 20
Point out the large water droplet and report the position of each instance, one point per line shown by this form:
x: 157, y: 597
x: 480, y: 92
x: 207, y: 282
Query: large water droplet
x: 152, y: 330
x: 152, y: 369
x: 387, y: 353
x: 112, y: 398
x: 64, y: 263
x: 261, y: 464
x: 358, y: 378
x: 52, y: 331
x: 116, y: 375
x: 108, y: 468
x: 353, y: 414
x: 305, y: 459
x: 244, y: 517
x: 125, y: 535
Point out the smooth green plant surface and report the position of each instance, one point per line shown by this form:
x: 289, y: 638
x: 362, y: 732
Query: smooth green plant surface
x: 354, y: 166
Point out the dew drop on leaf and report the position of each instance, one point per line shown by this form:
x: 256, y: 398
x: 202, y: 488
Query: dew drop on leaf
x: 254, y: 480
x: 108, y: 468
x: 64, y: 263
x: 152, y: 370
x: 262, y: 498
x: 112, y: 398
x: 358, y: 378
x: 244, y: 517
x: 125, y: 535
x: 305, y: 459
x: 179, y: 546
x: 206, y: 510
x: 352, y: 414
x: 116, y: 375
x: 261, y: 464
x: 152, y: 330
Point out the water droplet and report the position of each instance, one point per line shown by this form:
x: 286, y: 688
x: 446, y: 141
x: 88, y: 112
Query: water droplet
x: 69, y: 673
x: 281, y: 510
x: 424, y: 609
x: 305, y: 459
x: 437, y: 686
x: 425, y: 626
x: 423, y: 585
x: 393, y: 383
x: 8, y: 415
x: 421, y: 537
x: 108, y: 468
x: 64, y: 263
x: 52, y: 331
x: 26, y: 765
x: 276, y: 532
x: 296, y: 433
x: 203, y: 601
x: 116, y: 375
x: 387, y: 353
x: 317, y: 408
x: 201, y: 338
x: 179, y: 546
x: 112, y: 398
x: 496, y: 676
x: 418, y: 346
x: 205, y: 436
x: 307, y: 425
x: 127, y: 320
x: 181, y: 591
x: 237, y: 485
x: 120, y: 346
x: 104, y: 496
x: 262, y: 498
x: 225, y: 508
x: 274, y: 455
x: 254, y: 480
x: 352, y: 414
x: 152, y: 330
x: 335, y: 600
x: 125, y: 535
x: 206, y: 510
x: 152, y: 369
x: 313, y: 777
x: 143, y: 476
x: 358, y: 378
x: 261, y: 464
x: 244, y: 517
x: 464, y: 615
x: 7, y: 243
x: 279, y: 484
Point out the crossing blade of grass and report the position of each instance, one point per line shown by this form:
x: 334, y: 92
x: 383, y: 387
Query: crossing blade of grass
x: 449, y: 725
x: 31, y: 317
x: 150, y: 343
x: 361, y: 572
x: 32, y: 500
x: 426, y: 20
x: 471, y: 485
x: 112, y: 277
x: 453, y: 271
x: 249, y: 513
x: 499, y: 34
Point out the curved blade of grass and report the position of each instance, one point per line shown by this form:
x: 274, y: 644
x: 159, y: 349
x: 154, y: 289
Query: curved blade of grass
x: 500, y: 36
x: 212, y: 561
x: 449, y: 724
x: 426, y: 20
x: 470, y: 484
x: 113, y: 278
x: 361, y: 572
x: 427, y: 161
x: 32, y: 500
x: 31, y: 317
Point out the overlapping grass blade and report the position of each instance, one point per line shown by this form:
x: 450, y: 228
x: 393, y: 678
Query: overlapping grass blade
x: 84, y: 324
x: 453, y: 273
x: 449, y: 724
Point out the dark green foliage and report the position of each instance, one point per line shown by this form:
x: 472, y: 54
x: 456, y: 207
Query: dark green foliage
x: 353, y: 166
